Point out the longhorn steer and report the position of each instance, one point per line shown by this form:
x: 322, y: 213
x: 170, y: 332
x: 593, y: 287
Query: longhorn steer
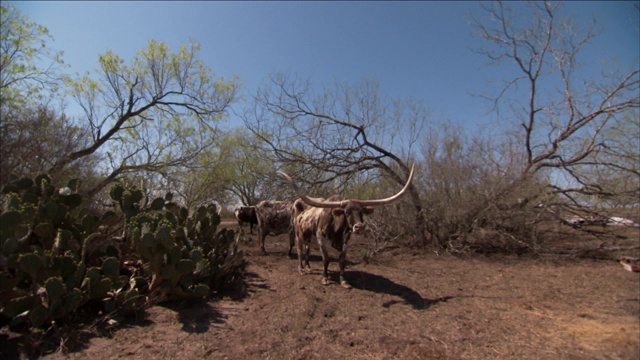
x: 274, y: 217
x: 331, y: 223
x: 246, y: 214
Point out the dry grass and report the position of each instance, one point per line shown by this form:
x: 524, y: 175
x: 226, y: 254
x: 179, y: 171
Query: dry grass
x: 405, y: 304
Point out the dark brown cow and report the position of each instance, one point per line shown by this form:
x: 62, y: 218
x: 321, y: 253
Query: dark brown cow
x: 331, y: 223
x: 246, y: 214
x: 274, y: 217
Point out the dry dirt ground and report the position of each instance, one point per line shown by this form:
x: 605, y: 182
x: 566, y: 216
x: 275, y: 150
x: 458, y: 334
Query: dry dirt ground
x: 405, y: 304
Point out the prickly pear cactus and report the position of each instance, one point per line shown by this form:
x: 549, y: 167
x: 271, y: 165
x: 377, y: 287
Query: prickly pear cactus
x: 49, y: 268
x: 185, y: 255
x: 42, y: 274
x: 158, y: 236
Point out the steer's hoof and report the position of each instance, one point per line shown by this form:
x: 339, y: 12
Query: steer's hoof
x: 325, y: 281
x: 345, y: 284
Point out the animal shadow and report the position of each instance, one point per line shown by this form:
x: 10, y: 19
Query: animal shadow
x: 371, y: 282
x: 196, y: 316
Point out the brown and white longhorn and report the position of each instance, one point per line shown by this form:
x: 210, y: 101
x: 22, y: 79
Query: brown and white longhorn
x: 331, y: 222
x: 274, y: 217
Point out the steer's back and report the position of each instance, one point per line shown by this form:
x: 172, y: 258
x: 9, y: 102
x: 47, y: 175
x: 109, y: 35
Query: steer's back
x: 274, y: 216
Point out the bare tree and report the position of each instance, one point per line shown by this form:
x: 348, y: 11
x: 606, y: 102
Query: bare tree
x: 620, y: 175
x: 338, y: 134
x: 563, y: 114
x: 469, y: 186
x: 33, y: 139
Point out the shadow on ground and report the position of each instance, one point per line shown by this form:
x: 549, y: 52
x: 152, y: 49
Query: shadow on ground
x: 379, y: 284
x: 197, y: 317
x: 68, y: 336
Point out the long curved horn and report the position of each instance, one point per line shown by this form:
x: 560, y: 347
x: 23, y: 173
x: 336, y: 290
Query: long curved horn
x: 343, y: 203
x: 395, y: 197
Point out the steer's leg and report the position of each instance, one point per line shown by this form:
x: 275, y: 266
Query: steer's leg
x: 325, y: 259
x: 307, y: 247
x: 261, y: 236
x: 325, y: 273
x: 342, y: 261
x: 300, y: 248
x: 292, y: 241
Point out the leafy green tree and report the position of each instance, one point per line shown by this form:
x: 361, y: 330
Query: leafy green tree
x: 146, y: 118
x: 238, y: 169
x: 151, y: 116
x: 250, y: 168
x: 29, y: 69
x: 34, y: 133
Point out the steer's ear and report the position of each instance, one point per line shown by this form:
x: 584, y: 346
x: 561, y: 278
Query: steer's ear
x: 368, y: 210
x: 337, y: 211
x: 299, y: 205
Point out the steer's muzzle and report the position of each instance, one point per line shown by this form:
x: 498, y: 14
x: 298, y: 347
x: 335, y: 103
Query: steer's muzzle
x: 359, y: 228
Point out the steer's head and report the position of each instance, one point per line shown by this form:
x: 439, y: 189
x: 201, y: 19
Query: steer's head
x: 354, y: 213
x: 353, y: 210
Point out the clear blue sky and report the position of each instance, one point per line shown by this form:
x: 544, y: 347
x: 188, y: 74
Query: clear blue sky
x: 422, y: 50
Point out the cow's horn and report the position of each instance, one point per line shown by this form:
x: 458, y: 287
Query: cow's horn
x: 392, y: 198
x: 343, y: 203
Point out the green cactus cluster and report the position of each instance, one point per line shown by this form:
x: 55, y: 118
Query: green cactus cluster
x: 48, y: 266
x: 37, y: 216
x: 184, y: 254
x: 43, y: 276
x: 41, y: 287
